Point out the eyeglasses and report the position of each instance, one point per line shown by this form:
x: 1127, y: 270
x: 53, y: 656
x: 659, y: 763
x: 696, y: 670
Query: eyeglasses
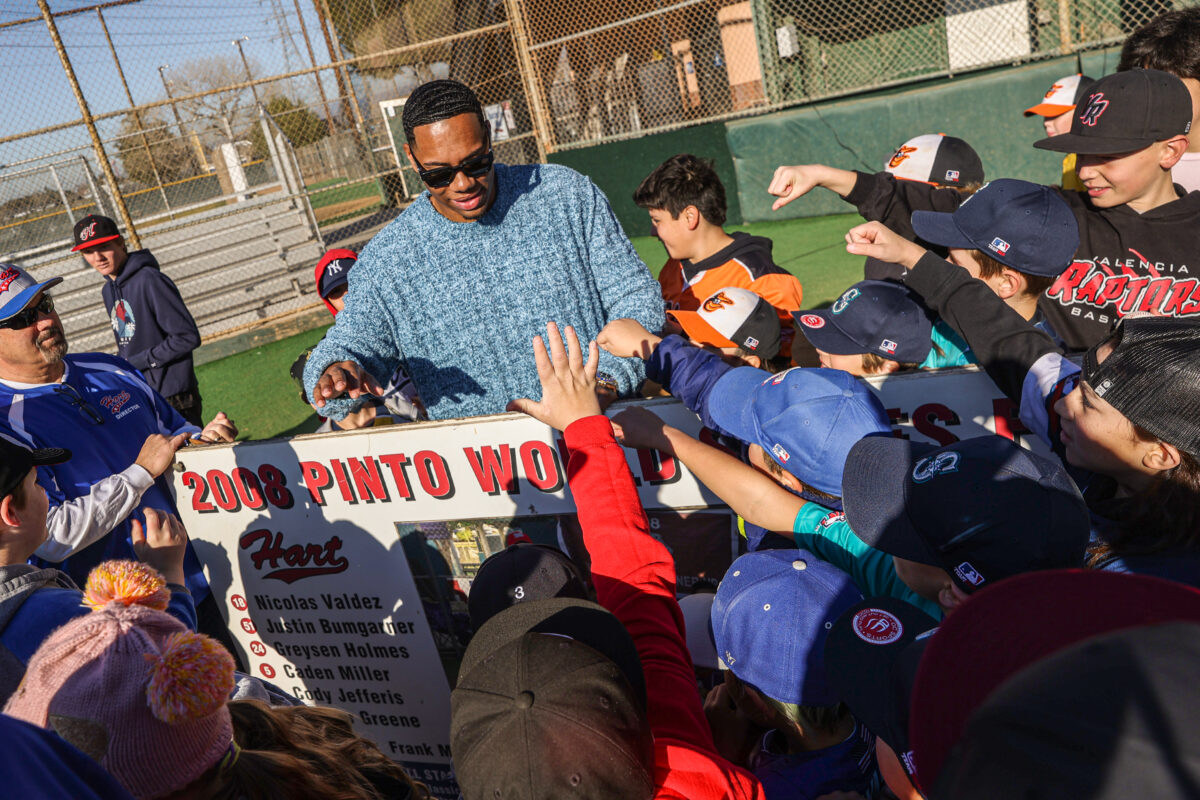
x: 72, y: 396
x: 473, y: 167
x: 25, y: 318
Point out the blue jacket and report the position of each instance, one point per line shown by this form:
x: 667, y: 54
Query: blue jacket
x: 102, y: 411
x: 689, y: 373
x: 456, y: 304
x: 37, y: 762
x: 154, y: 330
x: 34, y: 602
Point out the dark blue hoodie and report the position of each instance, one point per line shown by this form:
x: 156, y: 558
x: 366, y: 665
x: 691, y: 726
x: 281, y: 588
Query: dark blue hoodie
x: 154, y: 330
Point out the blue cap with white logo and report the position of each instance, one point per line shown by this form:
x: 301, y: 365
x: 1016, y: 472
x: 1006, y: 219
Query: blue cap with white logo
x: 806, y: 419
x: 770, y: 618
x: 880, y: 317
x: 983, y: 509
x: 1020, y: 224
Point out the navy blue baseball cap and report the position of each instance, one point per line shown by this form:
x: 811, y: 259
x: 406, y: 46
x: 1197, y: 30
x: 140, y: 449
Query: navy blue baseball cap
x: 770, y: 618
x: 806, y: 419
x: 881, y: 317
x: 983, y: 509
x: 1020, y: 224
x: 871, y: 656
x: 333, y: 270
x: 18, y: 289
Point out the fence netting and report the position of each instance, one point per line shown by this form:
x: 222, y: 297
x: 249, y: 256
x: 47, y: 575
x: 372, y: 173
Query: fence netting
x: 197, y: 118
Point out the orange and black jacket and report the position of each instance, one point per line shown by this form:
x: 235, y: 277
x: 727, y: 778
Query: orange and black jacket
x: 745, y: 264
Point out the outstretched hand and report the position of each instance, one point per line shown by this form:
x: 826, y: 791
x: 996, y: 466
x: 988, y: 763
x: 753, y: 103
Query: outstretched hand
x: 161, y: 543
x: 876, y: 240
x: 344, y: 378
x: 568, y: 383
x: 789, y: 183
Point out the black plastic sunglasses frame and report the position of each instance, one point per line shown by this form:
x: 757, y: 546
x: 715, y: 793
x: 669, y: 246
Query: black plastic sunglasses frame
x: 29, y: 315
x: 441, y: 177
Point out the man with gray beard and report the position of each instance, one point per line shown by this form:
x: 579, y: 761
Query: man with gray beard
x: 123, y: 436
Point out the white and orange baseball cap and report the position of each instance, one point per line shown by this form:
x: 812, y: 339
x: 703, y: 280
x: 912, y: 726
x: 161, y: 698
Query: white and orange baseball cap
x: 1062, y: 96
x: 733, y: 317
x: 936, y: 159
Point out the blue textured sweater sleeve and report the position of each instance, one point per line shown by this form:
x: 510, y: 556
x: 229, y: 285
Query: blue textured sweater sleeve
x: 361, y: 333
x: 626, y: 287
x: 688, y: 373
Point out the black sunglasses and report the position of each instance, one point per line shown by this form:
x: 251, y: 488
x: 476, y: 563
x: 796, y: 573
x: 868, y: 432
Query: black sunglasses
x: 25, y: 318
x: 473, y: 167
x: 72, y: 396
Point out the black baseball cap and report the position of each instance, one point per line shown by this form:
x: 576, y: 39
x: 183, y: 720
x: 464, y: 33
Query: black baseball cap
x: 983, y: 509
x: 871, y: 657
x: 94, y: 229
x: 880, y: 317
x: 1124, y: 112
x: 1152, y: 376
x: 551, y: 702
x: 16, y: 460
x: 520, y: 573
x: 937, y: 159
x: 1108, y: 718
x: 1020, y: 224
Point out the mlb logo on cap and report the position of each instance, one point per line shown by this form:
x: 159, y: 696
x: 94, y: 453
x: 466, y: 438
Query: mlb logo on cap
x: 968, y: 574
x: 952, y: 175
x: 999, y: 245
x: 888, y: 346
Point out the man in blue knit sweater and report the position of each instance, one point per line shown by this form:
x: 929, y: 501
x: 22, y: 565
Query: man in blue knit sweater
x: 457, y: 286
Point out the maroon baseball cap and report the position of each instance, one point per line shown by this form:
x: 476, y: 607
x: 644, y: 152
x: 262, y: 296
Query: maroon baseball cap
x: 93, y: 230
x: 1010, y: 626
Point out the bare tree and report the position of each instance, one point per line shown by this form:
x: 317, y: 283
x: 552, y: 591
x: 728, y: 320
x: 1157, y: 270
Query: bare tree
x: 221, y: 116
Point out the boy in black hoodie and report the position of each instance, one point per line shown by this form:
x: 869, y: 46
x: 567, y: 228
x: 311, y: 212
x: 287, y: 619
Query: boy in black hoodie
x: 153, y: 328
x: 1139, y: 233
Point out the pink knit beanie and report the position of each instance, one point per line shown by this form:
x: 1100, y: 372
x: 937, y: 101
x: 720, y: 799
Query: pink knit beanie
x: 130, y: 686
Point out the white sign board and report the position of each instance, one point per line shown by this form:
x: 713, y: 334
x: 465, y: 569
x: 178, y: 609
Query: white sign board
x: 302, y: 542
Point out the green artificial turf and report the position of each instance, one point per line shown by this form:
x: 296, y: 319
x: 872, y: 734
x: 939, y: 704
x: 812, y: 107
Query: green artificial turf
x: 813, y: 249
x: 255, y: 390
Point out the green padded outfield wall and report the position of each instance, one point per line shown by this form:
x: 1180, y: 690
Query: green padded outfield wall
x: 618, y: 167
x: 861, y: 133
x: 983, y: 108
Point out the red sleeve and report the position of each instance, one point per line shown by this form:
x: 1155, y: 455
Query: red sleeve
x: 634, y: 577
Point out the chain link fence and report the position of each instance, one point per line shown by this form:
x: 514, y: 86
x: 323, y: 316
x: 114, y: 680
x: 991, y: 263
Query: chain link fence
x: 180, y: 126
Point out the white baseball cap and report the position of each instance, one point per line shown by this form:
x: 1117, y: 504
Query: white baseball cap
x: 1061, y: 97
x: 733, y: 317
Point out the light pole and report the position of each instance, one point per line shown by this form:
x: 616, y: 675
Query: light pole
x: 238, y: 44
x: 175, y: 111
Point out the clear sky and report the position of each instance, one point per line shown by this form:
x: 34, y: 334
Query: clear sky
x: 34, y: 91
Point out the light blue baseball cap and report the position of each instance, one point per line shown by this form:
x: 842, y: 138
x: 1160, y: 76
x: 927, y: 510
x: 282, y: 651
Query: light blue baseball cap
x: 807, y: 419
